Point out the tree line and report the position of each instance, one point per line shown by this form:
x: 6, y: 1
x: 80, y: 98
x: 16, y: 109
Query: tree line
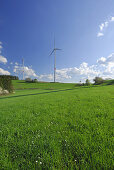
x: 9, y: 77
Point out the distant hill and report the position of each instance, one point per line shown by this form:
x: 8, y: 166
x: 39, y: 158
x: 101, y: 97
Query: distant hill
x: 108, y: 82
x: 21, y: 84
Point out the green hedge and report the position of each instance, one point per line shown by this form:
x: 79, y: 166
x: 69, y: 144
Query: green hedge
x: 6, y: 83
x: 10, y: 76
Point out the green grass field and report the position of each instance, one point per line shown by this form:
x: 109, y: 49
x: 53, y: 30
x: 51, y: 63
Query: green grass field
x: 20, y: 84
x: 47, y: 128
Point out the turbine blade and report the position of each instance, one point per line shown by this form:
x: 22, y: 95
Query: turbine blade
x: 58, y: 49
x: 52, y: 52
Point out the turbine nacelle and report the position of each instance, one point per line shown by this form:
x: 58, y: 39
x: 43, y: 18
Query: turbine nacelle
x: 55, y: 49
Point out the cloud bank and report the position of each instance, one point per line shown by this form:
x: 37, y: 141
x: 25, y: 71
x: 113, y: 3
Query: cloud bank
x: 4, y: 61
x: 104, y: 67
x: 28, y: 72
x: 4, y: 72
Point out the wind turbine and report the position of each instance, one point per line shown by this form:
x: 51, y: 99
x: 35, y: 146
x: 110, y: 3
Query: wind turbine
x: 54, y: 51
x: 23, y: 67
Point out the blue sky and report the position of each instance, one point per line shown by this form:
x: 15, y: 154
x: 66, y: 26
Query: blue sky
x: 83, y: 29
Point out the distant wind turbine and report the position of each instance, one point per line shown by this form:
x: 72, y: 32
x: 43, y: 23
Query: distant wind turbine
x: 54, y: 51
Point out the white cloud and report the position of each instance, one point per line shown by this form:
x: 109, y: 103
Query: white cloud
x: 104, y: 67
x: 107, y: 65
x: 28, y: 72
x: 11, y: 63
x: 46, y: 77
x: 3, y: 59
x: 106, y: 61
x: 104, y: 25
x: 101, y: 60
x: 101, y: 26
x: 112, y: 19
x: 4, y: 72
x: 100, y: 34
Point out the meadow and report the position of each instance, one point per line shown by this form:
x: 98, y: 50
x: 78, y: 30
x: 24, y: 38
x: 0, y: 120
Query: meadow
x: 20, y: 84
x: 53, y: 128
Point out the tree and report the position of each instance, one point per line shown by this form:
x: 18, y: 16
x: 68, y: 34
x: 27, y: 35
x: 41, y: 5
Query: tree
x: 87, y: 82
x: 98, y: 80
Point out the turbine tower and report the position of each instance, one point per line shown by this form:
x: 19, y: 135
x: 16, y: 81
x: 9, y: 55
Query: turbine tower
x: 54, y: 51
x: 23, y: 67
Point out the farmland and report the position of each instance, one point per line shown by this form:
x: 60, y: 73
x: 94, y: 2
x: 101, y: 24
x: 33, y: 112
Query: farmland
x: 53, y: 127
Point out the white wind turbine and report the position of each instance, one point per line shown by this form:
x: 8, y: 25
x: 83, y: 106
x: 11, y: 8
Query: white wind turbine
x: 54, y: 51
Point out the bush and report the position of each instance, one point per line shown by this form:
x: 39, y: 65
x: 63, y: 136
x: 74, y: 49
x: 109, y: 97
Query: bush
x: 79, y: 84
x: 35, y: 81
x: 6, y: 83
x: 28, y: 80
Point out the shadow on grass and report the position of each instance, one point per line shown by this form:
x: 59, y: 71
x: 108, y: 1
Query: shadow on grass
x: 35, y: 94
x: 48, y: 91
